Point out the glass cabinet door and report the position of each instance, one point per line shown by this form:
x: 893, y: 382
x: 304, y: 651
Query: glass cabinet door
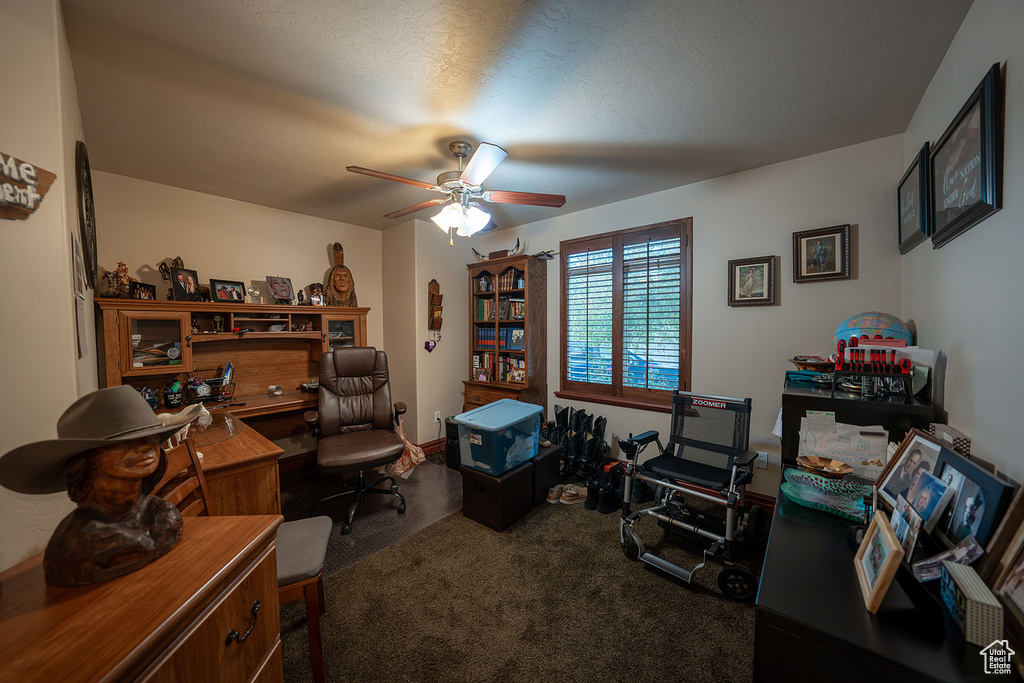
x: 341, y: 333
x: 154, y: 343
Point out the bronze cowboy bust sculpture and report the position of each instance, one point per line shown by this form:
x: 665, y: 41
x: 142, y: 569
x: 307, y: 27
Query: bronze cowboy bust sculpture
x: 107, y: 455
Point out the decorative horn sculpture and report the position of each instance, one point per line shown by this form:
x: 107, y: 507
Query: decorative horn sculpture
x: 479, y: 256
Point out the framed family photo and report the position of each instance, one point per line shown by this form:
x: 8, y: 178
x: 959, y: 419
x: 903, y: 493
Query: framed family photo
x: 877, y: 560
x: 913, y: 201
x: 752, y: 281
x: 967, y: 163
x: 822, y: 254
x: 227, y: 290
x: 917, y: 454
x: 140, y: 290
x: 185, y: 285
x: 980, y: 499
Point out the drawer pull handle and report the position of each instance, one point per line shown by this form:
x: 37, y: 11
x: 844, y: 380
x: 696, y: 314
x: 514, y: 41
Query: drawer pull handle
x: 234, y: 635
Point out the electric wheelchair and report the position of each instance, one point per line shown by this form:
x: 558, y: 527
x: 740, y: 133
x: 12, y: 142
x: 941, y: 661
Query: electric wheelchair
x: 707, y: 448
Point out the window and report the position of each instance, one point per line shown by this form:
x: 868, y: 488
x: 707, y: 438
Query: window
x: 626, y: 315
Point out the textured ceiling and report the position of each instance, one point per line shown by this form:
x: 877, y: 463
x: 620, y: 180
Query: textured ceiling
x: 267, y: 101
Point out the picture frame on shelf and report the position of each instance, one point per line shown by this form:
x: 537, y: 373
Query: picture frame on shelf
x: 140, y: 290
x: 979, y: 502
x: 481, y: 374
x: 822, y: 254
x: 919, y: 451
x: 517, y: 375
x: 227, y: 290
x: 185, y: 285
x: 752, y: 281
x: 280, y: 288
x: 516, y: 338
x: 877, y: 560
x: 913, y: 204
x: 967, y: 163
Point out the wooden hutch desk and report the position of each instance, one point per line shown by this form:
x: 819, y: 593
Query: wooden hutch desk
x: 240, y: 467
x: 165, y: 622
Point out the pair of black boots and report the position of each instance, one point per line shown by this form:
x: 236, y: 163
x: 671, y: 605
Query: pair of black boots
x: 604, y: 490
x: 581, y: 438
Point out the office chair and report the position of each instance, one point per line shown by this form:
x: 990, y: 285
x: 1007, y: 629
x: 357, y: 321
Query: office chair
x: 301, y: 546
x: 707, y: 448
x: 356, y: 424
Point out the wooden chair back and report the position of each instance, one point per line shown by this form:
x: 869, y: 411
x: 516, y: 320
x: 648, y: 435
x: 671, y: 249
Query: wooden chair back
x: 184, y: 482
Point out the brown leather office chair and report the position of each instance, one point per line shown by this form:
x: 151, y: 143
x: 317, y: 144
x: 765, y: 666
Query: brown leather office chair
x: 301, y: 544
x: 356, y: 424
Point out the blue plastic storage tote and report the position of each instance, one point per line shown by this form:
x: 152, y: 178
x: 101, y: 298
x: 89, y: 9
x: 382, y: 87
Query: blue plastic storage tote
x: 498, y: 436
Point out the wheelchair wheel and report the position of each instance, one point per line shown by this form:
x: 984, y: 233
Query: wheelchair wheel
x: 736, y: 583
x: 754, y: 533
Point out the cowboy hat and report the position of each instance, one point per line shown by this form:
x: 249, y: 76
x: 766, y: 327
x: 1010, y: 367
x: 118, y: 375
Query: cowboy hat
x: 101, y: 418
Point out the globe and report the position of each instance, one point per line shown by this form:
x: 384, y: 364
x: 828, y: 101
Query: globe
x: 874, y: 323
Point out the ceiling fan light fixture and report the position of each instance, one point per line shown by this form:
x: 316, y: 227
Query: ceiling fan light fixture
x: 451, y: 216
x: 476, y: 219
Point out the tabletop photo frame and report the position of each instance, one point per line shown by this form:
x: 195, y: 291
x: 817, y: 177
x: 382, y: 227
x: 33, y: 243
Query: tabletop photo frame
x: 978, y: 503
x: 752, y: 281
x: 918, y: 452
x: 822, y: 254
x: 877, y: 560
x: 967, y: 163
x: 913, y: 204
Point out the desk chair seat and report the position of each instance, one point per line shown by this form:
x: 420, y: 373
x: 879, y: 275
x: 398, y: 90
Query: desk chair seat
x: 695, y: 472
x: 354, y: 451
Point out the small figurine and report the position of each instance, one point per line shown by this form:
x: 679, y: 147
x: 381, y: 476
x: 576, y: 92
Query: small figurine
x: 339, y: 285
x: 118, y: 281
x: 316, y: 294
x: 302, y: 297
x: 107, y: 456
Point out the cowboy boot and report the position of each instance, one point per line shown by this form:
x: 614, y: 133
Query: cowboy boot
x: 588, y: 463
x: 572, y: 464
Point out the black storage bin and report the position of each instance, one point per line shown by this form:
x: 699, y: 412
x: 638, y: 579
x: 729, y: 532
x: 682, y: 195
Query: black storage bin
x: 545, y: 472
x: 497, y: 501
x: 452, y: 459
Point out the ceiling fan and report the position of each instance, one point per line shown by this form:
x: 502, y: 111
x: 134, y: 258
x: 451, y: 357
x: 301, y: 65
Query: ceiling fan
x: 461, y: 187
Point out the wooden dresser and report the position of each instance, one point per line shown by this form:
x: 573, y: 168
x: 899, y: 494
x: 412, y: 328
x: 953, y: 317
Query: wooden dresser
x: 168, y: 621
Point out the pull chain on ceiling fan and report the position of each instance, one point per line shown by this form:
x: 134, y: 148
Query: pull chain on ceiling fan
x: 460, y: 213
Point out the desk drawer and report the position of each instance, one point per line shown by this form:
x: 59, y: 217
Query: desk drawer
x: 477, y: 396
x: 201, y: 653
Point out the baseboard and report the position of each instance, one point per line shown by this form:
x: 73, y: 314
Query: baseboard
x: 431, y: 447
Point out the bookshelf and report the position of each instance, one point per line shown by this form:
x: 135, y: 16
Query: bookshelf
x: 507, y: 331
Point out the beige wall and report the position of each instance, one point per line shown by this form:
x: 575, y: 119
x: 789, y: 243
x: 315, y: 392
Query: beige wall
x: 743, y: 351
x: 143, y: 223
x: 39, y: 122
x: 965, y: 297
x: 399, y: 244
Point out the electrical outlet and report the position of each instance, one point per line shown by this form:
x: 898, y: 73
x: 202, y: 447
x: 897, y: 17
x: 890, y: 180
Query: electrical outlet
x: 437, y: 416
x: 762, y: 460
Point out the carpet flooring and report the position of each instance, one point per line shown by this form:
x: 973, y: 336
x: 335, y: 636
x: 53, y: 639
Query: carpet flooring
x: 551, y: 598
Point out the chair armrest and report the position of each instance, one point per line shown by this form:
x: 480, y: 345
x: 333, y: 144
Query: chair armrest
x: 634, y: 444
x: 745, y: 458
x: 400, y: 409
x: 311, y: 417
x: 644, y: 438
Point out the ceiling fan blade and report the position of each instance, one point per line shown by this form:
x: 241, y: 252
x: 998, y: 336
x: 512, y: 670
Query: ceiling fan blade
x: 531, y: 198
x: 416, y: 207
x: 484, y: 160
x: 387, y: 176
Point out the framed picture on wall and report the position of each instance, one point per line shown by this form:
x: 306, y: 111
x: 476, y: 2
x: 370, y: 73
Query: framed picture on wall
x: 967, y: 163
x: 752, y: 281
x: 913, y: 203
x: 822, y: 254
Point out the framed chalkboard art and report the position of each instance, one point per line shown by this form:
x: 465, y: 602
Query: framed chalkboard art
x: 967, y: 163
x: 914, y: 203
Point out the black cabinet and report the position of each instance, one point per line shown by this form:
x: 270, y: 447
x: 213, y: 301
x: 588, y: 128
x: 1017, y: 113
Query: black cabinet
x: 892, y: 413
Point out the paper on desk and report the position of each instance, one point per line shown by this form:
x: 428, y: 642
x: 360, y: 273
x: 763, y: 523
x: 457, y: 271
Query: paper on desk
x: 777, y: 429
x: 862, y: 448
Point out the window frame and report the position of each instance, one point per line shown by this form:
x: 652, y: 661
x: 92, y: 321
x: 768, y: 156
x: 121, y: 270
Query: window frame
x: 658, y: 400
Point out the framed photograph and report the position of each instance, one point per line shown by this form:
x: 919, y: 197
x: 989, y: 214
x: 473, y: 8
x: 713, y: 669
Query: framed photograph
x: 482, y: 374
x: 967, y: 163
x: 913, y: 202
x: 991, y: 566
x: 140, y: 290
x: 280, y: 288
x: 980, y: 500
x: 752, y: 281
x: 917, y: 454
x: 517, y: 375
x: 516, y: 338
x: 227, y: 290
x: 877, y: 560
x: 929, y: 495
x: 906, y: 522
x: 822, y: 254
x: 185, y: 285
x: 1010, y: 590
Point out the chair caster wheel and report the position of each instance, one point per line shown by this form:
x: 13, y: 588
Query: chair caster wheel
x: 346, y: 529
x: 394, y: 488
x: 401, y: 509
x: 736, y: 583
x: 629, y: 545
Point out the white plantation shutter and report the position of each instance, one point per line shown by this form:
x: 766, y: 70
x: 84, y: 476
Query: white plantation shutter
x: 625, y: 312
x: 651, y: 272
x: 589, y: 316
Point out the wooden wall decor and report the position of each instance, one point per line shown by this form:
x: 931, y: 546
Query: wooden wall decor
x: 340, y: 286
x: 434, y: 312
x: 22, y: 187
